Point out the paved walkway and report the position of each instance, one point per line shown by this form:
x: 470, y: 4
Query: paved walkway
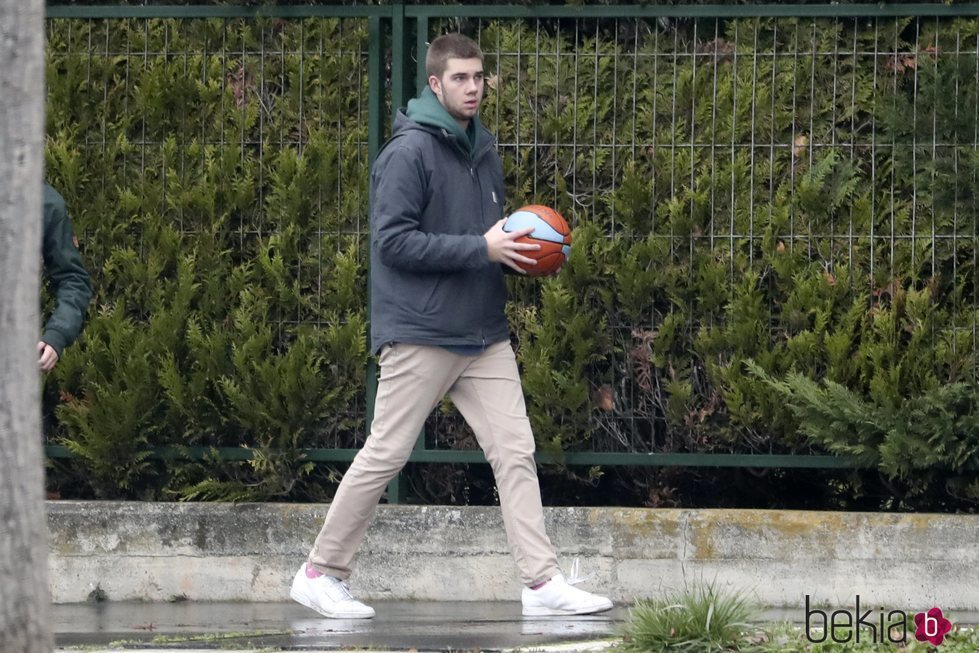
x: 419, y: 626
x: 399, y: 625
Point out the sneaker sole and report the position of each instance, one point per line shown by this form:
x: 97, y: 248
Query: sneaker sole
x: 302, y: 599
x: 551, y: 612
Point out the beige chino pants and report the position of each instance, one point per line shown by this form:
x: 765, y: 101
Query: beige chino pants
x: 487, y: 391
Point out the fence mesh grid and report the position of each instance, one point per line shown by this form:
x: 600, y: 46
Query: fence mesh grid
x: 725, y: 162
x: 713, y: 173
x: 267, y: 85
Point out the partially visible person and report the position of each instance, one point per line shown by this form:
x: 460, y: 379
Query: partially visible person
x: 67, y: 280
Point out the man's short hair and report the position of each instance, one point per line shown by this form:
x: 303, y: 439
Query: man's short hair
x: 449, y: 46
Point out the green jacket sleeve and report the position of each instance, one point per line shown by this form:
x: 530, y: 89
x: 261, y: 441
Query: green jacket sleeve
x: 69, y: 281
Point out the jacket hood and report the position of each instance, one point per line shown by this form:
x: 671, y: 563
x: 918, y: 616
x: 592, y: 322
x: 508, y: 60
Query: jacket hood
x: 428, y: 111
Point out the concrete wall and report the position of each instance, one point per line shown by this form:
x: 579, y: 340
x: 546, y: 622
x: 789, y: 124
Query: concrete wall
x: 249, y: 552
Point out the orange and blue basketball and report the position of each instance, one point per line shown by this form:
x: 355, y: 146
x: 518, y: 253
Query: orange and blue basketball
x: 551, y: 232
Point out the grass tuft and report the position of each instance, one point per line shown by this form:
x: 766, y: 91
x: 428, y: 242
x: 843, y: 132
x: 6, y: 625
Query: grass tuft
x: 702, y: 619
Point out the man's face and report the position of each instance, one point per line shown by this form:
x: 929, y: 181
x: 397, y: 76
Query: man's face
x: 461, y: 88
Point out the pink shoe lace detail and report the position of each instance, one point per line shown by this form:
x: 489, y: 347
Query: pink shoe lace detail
x: 311, y: 572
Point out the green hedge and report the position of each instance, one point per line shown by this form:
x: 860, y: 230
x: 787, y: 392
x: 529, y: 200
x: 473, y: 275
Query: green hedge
x: 772, y: 249
x: 228, y: 265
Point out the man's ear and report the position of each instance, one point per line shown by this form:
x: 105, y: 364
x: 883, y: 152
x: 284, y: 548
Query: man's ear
x: 435, y: 84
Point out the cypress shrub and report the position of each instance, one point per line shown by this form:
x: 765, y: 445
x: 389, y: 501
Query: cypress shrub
x: 774, y: 250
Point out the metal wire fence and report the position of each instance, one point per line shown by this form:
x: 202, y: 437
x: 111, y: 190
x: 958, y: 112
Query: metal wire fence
x: 848, y: 137
x: 185, y: 104
x: 278, y: 84
x: 726, y: 120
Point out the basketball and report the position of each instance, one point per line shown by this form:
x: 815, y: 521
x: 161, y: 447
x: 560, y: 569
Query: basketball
x: 551, y: 232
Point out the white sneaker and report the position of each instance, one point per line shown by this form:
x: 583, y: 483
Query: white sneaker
x: 327, y: 595
x: 557, y: 597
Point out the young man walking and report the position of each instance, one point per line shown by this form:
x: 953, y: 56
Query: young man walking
x: 438, y: 323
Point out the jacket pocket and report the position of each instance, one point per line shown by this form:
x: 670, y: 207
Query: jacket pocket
x: 434, y: 302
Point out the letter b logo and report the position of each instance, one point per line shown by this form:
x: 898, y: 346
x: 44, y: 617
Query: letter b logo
x: 931, y: 626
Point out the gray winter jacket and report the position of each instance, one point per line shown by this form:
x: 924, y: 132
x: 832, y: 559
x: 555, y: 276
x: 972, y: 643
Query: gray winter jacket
x: 433, y: 196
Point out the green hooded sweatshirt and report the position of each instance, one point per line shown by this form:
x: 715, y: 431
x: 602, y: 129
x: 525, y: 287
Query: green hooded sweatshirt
x: 427, y: 110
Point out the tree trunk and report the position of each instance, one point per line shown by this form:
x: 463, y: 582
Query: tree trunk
x: 24, y: 592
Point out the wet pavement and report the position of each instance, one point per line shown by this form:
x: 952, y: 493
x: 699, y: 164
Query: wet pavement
x: 414, y: 626
x: 399, y: 625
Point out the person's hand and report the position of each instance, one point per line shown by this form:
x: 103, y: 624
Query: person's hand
x: 47, y: 356
x: 503, y: 248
